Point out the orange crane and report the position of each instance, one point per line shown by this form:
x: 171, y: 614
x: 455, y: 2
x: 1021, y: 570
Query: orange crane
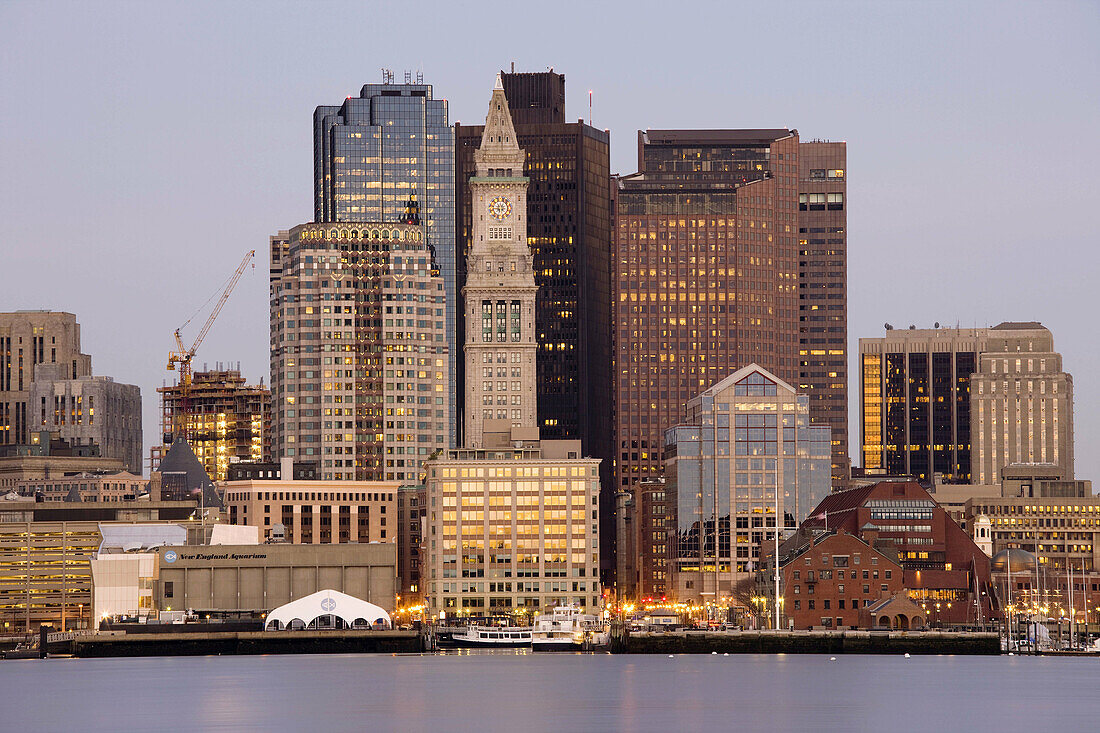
x: 180, y: 359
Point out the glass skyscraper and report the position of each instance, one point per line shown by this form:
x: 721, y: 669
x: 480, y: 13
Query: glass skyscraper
x: 376, y: 152
x: 743, y: 439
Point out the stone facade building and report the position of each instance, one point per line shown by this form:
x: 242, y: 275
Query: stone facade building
x: 568, y: 229
x: 1021, y: 403
x: 46, y: 384
x: 315, y: 512
x: 730, y: 248
x: 499, y: 293
x: 513, y: 521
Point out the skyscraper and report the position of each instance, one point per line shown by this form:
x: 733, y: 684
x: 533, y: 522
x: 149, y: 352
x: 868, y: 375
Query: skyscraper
x: 499, y: 293
x: 376, y: 152
x: 568, y: 228
x: 514, y: 519
x: 705, y: 276
x: 915, y: 401
x: 359, y: 354
x: 823, y: 292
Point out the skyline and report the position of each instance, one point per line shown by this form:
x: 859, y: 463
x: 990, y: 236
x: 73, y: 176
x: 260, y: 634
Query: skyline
x: 955, y: 142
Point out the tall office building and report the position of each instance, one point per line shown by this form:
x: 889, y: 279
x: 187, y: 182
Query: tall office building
x: 226, y: 420
x: 46, y: 385
x: 823, y: 293
x: 705, y: 276
x: 568, y: 227
x: 745, y: 456
x: 1021, y: 403
x: 730, y: 249
x: 514, y: 519
x: 374, y: 153
x: 359, y: 353
x: 915, y: 401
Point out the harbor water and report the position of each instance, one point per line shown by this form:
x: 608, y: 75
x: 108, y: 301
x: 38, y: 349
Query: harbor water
x: 521, y: 691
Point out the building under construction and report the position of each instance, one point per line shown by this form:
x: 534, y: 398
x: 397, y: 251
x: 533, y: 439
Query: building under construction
x: 224, y: 420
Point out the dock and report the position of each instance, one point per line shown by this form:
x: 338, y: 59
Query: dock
x: 331, y: 641
x: 806, y: 642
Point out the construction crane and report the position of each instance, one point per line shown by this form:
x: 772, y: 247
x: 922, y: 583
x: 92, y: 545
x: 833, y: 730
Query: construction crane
x: 180, y: 359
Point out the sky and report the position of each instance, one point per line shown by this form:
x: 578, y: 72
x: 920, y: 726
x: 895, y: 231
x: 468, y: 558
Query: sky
x: 146, y: 147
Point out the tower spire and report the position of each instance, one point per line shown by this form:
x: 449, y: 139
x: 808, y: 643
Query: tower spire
x: 498, y: 140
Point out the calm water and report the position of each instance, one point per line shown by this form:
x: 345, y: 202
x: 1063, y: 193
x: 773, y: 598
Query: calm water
x: 560, y: 693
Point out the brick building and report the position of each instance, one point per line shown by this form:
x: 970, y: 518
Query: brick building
x: 941, y: 564
x: 829, y: 577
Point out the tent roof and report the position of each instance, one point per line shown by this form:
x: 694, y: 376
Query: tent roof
x: 328, y: 603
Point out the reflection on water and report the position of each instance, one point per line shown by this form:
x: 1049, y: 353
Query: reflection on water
x: 515, y: 690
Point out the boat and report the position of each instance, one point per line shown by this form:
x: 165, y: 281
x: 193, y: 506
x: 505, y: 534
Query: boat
x: 566, y: 629
x: 493, y: 637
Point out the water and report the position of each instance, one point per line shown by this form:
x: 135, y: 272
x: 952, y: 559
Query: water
x: 561, y: 693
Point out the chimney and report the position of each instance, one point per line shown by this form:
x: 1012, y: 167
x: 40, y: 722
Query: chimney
x: 286, y: 468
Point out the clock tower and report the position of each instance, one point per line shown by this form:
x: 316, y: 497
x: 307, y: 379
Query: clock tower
x: 499, y: 294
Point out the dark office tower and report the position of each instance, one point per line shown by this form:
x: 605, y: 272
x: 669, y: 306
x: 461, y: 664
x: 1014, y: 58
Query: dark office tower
x: 374, y: 153
x: 568, y: 230
x: 823, y: 293
x: 915, y: 401
x: 704, y: 274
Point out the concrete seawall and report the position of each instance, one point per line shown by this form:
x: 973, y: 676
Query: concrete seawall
x: 240, y: 642
x: 808, y: 642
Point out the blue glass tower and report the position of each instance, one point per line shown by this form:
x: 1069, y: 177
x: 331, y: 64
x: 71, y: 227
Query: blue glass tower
x: 374, y: 153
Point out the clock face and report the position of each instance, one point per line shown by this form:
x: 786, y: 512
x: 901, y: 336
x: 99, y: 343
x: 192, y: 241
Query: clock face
x: 499, y: 208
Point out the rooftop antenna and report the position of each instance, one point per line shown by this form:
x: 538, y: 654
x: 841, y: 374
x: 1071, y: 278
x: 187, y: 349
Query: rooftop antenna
x: 408, y: 76
x: 387, y: 76
x: 419, y: 77
x: 590, y: 108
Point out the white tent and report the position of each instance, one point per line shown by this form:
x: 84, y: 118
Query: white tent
x: 302, y: 613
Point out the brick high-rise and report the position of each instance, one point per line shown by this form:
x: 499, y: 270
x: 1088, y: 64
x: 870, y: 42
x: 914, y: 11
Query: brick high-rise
x: 704, y: 276
x: 823, y: 293
x: 729, y: 248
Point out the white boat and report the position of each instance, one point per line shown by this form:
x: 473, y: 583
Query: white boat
x: 566, y: 629
x: 493, y: 636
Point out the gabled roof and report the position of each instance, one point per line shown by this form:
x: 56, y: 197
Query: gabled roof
x: 743, y: 372
x: 838, y: 506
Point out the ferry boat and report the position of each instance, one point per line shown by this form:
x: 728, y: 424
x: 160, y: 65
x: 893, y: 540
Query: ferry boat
x: 566, y: 629
x: 493, y: 636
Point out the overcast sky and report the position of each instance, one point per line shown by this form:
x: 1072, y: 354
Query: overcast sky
x: 144, y: 148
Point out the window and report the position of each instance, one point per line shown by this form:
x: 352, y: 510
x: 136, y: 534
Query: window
x: 826, y: 605
x: 169, y: 589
